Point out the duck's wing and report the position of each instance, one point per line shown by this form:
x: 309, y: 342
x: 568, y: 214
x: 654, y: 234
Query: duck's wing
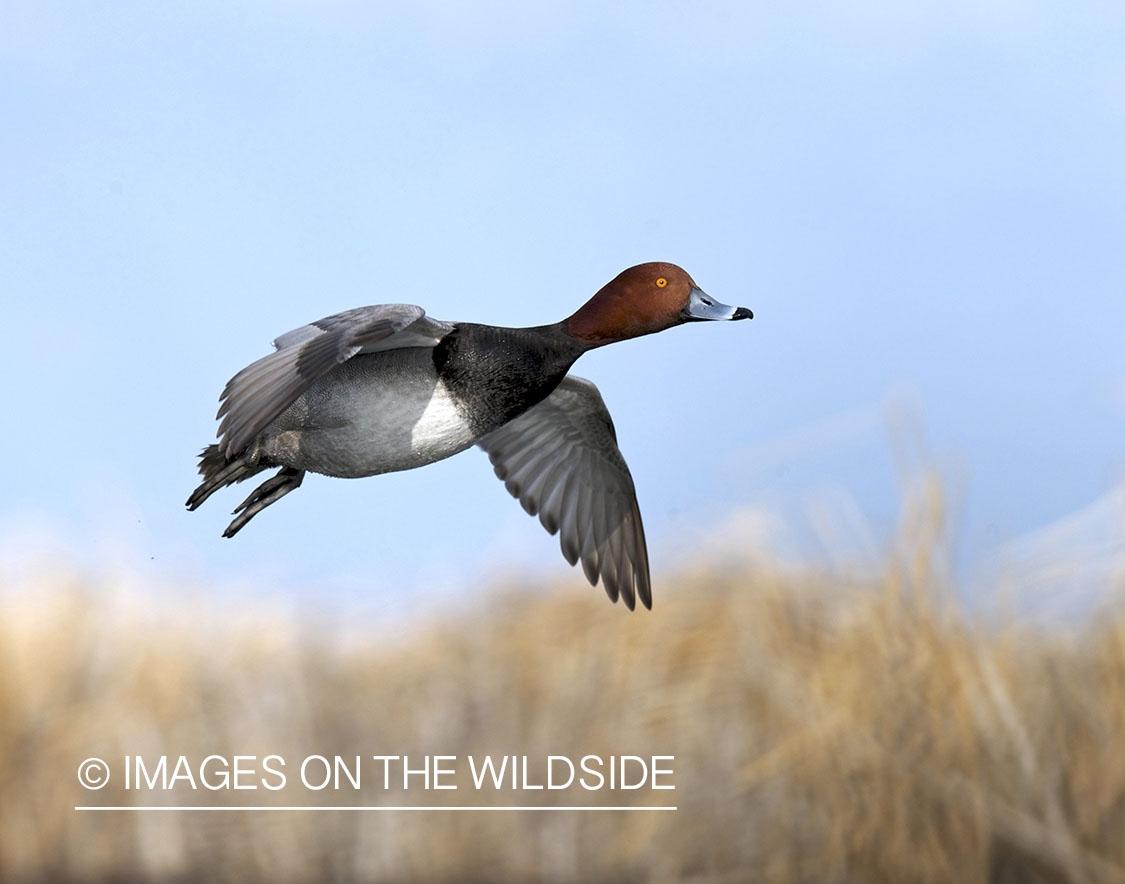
x: 264, y: 389
x: 560, y: 459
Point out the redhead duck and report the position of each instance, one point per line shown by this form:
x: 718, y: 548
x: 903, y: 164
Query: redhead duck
x: 384, y: 388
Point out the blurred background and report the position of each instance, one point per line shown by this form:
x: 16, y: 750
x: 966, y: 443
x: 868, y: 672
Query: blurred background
x: 886, y: 518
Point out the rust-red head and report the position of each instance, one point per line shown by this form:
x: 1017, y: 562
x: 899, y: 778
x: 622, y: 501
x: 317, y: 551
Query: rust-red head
x: 645, y: 299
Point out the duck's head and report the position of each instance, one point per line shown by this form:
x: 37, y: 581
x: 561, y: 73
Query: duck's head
x: 645, y: 299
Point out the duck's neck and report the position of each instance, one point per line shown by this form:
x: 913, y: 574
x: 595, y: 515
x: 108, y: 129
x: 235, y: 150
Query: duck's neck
x: 559, y: 335
x: 607, y: 318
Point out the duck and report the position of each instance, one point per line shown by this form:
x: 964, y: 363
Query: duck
x: 384, y: 388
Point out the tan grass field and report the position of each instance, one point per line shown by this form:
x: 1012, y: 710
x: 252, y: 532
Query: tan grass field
x: 824, y: 730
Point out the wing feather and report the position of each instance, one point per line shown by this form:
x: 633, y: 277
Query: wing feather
x: 561, y: 461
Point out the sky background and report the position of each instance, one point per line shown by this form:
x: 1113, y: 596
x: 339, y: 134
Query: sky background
x: 923, y: 203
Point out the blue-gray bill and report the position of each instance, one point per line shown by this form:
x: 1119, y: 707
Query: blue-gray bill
x: 701, y: 306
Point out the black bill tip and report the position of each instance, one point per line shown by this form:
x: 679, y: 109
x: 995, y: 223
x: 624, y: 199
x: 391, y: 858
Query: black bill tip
x: 743, y: 313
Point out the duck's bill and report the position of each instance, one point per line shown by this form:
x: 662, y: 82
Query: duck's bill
x: 702, y: 306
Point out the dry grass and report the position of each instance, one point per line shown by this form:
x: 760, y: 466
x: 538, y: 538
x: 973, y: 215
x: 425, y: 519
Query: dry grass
x: 824, y: 730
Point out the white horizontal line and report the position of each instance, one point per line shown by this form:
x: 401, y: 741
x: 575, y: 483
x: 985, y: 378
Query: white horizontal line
x: 353, y: 807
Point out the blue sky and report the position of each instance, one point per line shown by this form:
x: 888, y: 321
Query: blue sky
x: 923, y: 203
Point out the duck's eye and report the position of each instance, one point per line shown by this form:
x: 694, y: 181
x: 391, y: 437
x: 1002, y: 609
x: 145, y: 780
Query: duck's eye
x: 660, y: 283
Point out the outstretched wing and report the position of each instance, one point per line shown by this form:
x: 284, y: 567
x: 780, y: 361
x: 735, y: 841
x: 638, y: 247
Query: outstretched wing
x: 560, y: 459
x: 264, y: 389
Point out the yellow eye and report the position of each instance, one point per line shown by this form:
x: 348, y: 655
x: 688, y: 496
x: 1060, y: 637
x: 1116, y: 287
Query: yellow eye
x: 660, y: 283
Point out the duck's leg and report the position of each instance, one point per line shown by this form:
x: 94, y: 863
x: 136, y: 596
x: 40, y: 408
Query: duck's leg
x: 270, y: 491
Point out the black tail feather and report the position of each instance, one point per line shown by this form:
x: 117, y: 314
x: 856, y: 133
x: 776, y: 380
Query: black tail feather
x: 218, y: 472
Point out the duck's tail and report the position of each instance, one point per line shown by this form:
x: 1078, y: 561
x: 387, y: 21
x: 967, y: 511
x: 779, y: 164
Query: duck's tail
x: 218, y: 472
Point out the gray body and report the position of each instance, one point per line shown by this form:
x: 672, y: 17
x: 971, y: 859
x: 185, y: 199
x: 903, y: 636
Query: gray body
x: 396, y: 409
x: 373, y: 414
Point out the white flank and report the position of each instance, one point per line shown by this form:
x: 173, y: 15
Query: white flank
x: 440, y: 426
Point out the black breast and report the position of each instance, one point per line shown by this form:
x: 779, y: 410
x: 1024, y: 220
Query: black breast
x: 496, y: 374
